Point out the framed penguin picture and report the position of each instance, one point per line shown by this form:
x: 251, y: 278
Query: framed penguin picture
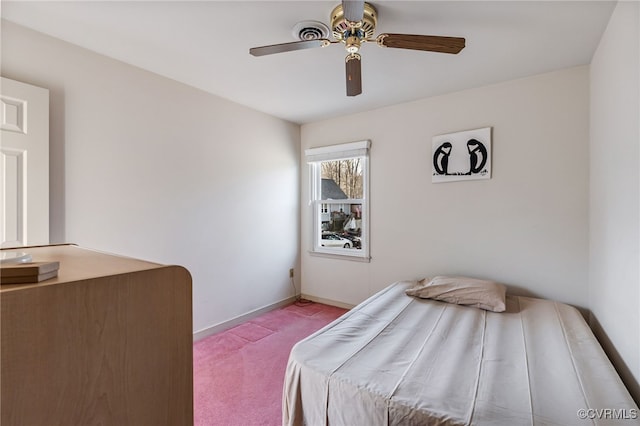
x: 461, y: 156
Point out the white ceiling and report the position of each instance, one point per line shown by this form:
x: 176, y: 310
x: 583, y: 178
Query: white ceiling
x: 205, y: 44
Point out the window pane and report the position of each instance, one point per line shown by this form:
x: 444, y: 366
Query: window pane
x: 341, y: 179
x: 341, y: 225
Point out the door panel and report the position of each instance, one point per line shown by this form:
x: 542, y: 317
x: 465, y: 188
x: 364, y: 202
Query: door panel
x: 24, y: 164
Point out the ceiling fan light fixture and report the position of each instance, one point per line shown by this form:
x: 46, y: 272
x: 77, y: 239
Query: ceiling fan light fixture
x: 352, y: 44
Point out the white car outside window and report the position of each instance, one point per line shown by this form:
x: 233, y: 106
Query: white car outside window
x: 333, y: 240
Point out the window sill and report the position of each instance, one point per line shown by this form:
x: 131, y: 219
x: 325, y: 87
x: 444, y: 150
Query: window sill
x: 351, y: 257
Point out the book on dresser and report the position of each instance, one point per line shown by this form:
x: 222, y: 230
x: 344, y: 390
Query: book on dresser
x: 25, y: 273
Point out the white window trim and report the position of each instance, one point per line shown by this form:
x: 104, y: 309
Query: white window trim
x: 338, y: 152
x: 314, y: 157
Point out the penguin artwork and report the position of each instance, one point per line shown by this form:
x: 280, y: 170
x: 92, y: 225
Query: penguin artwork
x: 441, y: 158
x: 477, y: 156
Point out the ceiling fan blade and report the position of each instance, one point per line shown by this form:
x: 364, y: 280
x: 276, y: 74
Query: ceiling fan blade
x: 354, y: 76
x: 288, y: 47
x: 422, y: 42
x: 353, y: 10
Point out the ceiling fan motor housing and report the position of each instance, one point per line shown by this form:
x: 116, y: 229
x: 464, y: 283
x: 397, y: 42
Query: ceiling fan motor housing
x: 342, y: 29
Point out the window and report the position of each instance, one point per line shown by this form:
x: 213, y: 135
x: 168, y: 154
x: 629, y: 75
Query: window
x: 339, y: 177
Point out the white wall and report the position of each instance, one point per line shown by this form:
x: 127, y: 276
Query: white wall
x: 614, y: 274
x: 147, y: 167
x: 526, y: 227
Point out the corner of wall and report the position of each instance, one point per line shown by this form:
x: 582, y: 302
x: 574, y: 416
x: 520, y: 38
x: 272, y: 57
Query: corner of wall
x: 614, y: 188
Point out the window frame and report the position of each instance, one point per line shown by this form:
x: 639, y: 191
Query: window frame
x: 316, y: 156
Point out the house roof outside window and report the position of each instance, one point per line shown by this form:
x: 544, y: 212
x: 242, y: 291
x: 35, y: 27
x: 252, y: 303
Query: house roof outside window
x: 331, y: 190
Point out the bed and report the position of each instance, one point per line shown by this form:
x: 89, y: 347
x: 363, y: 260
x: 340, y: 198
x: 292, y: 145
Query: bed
x: 400, y: 360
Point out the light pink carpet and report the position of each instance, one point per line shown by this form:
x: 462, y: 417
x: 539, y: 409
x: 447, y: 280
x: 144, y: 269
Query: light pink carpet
x: 239, y: 373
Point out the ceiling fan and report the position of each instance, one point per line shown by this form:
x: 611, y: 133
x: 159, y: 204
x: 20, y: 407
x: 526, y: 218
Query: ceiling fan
x: 353, y: 22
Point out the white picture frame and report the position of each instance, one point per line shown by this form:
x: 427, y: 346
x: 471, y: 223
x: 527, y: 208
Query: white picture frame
x: 461, y: 156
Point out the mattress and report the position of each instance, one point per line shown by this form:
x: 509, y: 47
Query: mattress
x: 399, y: 360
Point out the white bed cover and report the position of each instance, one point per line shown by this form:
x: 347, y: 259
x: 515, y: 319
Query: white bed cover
x: 398, y: 360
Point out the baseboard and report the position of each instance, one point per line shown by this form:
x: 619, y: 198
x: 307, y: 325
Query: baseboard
x: 225, y: 325
x: 328, y: 302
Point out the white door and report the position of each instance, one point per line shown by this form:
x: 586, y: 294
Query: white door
x: 24, y: 164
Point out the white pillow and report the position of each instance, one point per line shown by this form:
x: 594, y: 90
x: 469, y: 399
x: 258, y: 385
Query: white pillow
x: 487, y: 295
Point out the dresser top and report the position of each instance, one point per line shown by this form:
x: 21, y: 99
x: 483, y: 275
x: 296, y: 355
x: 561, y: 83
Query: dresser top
x: 77, y: 263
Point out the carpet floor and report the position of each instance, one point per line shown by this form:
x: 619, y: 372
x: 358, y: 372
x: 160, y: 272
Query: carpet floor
x: 239, y: 373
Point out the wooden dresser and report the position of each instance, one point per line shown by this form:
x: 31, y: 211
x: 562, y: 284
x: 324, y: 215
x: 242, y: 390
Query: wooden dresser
x: 107, y: 342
